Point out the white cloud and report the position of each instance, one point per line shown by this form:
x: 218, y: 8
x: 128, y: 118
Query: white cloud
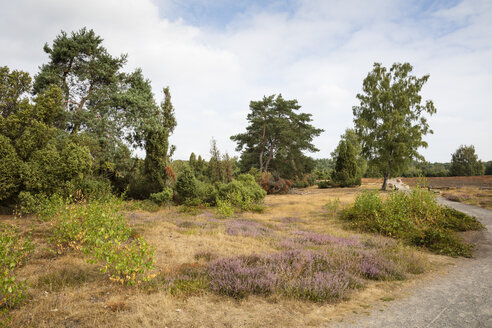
x: 319, y: 55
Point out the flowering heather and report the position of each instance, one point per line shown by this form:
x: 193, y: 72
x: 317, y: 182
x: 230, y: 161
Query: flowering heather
x: 313, y: 238
x: 210, y: 217
x: 246, y: 228
x: 191, y: 224
x: 306, y: 274
x: 290, y: 219
x: 301, y: 274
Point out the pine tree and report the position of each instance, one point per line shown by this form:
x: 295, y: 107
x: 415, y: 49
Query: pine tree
x: 347, y: 172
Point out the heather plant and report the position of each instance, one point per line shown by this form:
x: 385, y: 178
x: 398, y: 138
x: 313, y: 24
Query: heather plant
x: 320, y: 276
x: 414, y: 217
x: 313, y: 238
x: 100, y: 230
x: 14, y: 250
x: 246, y: 228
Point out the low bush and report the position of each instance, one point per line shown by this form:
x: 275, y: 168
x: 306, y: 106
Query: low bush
x: 224, y: 208
x: 193, y: 192
x: 163, y: 197
x: 275, y: 185
x: 14, y: 249
x: 414, y: 217
x: 100, y: 230
x: 323, y: 184
x: 320, y: 276
x: 43, y: 206
x: 243, y: 193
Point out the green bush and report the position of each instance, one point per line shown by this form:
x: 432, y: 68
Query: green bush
x: 100, y: 230
x: 9, y: 169
x: 94, y: 188
x: 40, y: 204
x: 224, y: 208
x: 187, y: 186
x: 243, y: 192
x: 14, y: 249
x: 414, y: 217
x: 163, y: 197
x: 347, y: 172
x: 323, y: 184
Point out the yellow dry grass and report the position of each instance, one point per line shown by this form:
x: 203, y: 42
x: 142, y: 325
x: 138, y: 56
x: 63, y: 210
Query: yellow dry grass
x: 66, y: 291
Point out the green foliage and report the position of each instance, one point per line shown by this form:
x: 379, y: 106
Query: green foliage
x: 488, y: 168
x: 158, y: 131
x: 9, y: 169
x: 163, y: 197
x: 186, y: 185
x: 224, y: 208
x: 14, y: 85
x: 277, y: 137
x: 350, y: 136
x: 389, y: 120
x: 40, y: 159
x: 14, y: 249
x: 414, y: 217
x: 100, y: 230
x: 323, y: 184
x: 464, y: 162
x: 347, y: 172
x: 243, y: 193
x: 40, y: 204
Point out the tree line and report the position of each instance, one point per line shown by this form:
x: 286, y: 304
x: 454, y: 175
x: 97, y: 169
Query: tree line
x: 73, y: 126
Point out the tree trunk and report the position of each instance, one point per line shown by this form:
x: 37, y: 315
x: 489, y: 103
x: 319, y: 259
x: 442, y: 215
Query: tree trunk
x: 263, y: 146
x: 385, y: 181
x: 270, y: 155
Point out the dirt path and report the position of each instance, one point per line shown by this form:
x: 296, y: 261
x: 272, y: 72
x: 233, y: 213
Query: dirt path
x: 461, y: 298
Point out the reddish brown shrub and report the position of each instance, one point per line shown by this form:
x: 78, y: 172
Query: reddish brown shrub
x: 275, y: 186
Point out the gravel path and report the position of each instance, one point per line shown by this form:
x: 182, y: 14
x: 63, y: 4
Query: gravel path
x: 461, y: 298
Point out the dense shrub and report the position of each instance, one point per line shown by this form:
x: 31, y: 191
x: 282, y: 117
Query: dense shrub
x: 275, y: 185
x: 93, y: 188
x: 163, y: 197
x: 243, y: 192
x: 9, y: 169
x: 100, y: 230
x: 187, y: 186
x: 14, y: 249
x: 415, y: 217
x: 347, y: 172
x: 323, y: 184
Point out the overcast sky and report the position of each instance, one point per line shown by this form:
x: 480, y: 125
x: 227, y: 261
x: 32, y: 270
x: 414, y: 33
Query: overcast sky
x: 218, y: 55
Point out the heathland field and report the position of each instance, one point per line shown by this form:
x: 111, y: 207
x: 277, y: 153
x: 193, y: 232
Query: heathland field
x: 473, y: 190
x: 301, y: 261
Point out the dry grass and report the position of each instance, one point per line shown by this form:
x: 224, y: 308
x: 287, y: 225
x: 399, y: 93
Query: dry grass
x: 474, y: 190
x: 66, y: 291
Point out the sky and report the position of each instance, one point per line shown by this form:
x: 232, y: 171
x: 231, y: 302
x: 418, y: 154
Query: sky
x: 218, y: 55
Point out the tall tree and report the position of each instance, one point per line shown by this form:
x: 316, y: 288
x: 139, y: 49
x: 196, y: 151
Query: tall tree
x: 157, y: 129
x: 351, y: 137
x: 105, y: 108
x: 36, y: 157
x: 464, y: 162
x: 277, y: 137
x: 347, y: 172
x: 389, y: 119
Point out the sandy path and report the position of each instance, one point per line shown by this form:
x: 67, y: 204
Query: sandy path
x: 461, y: 298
